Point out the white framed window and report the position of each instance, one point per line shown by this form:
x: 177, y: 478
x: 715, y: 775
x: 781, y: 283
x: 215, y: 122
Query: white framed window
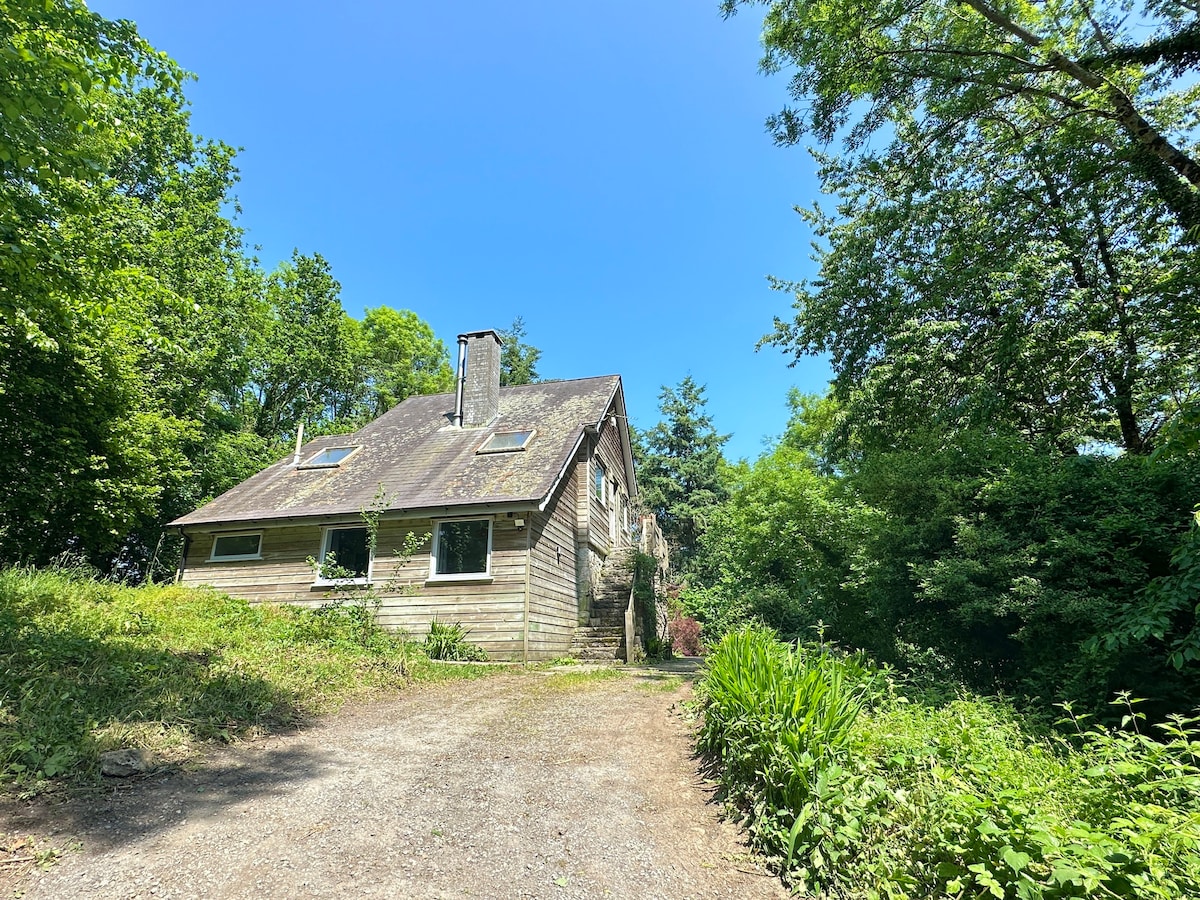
x: 506, y: 442
x: 599, y: 479
x: 345, y: 556
x: 227, y: 547
x: 462, y: 549
x: 329, y: 458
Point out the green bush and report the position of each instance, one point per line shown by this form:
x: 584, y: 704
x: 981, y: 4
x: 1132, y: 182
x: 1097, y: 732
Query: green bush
x: 449, y: 642
x: 859, y: 791
x: 1026, y: 569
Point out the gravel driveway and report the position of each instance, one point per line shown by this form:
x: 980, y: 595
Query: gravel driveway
x: 519, y: 785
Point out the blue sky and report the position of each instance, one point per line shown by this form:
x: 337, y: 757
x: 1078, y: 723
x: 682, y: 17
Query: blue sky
x: 599, y: 168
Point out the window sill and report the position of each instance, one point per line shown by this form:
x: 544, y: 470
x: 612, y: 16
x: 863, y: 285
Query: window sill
x: 458, y: 579
x: 341, y: 583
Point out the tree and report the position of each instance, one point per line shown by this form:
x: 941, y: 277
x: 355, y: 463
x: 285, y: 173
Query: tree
x: 1038, y: 289
x: 518, y: 360
x: 404, y: 358
x: 115, y: 239
x: 812, y: 422
x: 951, y: 67
x: 778, y: 549
x: 1023, y: 571
x: 680, y: 468
x: 146, y: 363
x: 305, y: 366
x: 61, y: 66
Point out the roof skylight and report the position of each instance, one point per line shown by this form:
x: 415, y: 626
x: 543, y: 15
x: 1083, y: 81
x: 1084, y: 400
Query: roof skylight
x: 328, y: 458
x: 506, y: 442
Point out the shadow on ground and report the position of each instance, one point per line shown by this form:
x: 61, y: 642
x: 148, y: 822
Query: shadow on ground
x: 125, y: 811
x: 686, y: 667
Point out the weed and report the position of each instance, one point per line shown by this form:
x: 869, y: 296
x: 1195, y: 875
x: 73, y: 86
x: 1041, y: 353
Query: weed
x: 859, y: 792
x: 88, y: 666
x: 449, y: 642
x: 584, y: 676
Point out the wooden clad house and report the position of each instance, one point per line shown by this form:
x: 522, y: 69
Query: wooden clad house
x: 515, y: 496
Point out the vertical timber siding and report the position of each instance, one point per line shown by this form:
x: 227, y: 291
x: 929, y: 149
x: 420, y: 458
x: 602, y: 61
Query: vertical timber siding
x: 493, y: 612
x: 554, y: 587
x: 608, y: 450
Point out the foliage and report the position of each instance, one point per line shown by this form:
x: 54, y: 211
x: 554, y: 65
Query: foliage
x: 147, y: 363
x: 1164, y: 613
x: 518, y: 360
x: 985, y: 558
x: 781, y: 547
x: 679, y: 468
x: 777, y: 725
x: 1036, y: 291
x: 646, y: 596
x: 88, y: 666
x: 449, y: 642
x: 860, y: 791
x: 684, y: 635
x: 404, y: 358
x: 303, y: 368
x: 1001, y: 482
x: 1018, y: 74
x: 1021, y: 567
x: 61, y: 66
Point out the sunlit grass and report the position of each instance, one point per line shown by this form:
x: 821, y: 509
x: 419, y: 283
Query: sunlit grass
x: 87, y: 666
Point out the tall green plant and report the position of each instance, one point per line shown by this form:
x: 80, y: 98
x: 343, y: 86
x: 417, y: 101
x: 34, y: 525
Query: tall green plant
x: 777, y: 721
x: 860, y: 791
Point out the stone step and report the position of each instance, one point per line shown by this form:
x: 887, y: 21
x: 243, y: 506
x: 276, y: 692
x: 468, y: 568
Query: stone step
x: 597, y: 656
x: 606, y: 640
x: 612, y: 651
x: 608, y: 609
x: 612, y: 595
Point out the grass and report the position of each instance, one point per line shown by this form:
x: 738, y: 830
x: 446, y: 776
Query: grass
x: 569, y: 678
x: 857, y: 790
x: 88, y: 666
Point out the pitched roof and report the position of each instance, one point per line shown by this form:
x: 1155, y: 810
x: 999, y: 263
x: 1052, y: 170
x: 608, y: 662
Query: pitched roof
x: 423, y: 462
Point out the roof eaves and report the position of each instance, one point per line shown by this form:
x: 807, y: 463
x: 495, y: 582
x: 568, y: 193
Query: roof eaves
x: 562, y: 473
x: 575, y: 449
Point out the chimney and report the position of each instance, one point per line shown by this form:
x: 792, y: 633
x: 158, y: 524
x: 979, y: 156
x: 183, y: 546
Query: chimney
x: 478, y: 379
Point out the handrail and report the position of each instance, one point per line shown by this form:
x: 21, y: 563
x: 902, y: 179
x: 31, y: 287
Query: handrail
x: 630, y: 629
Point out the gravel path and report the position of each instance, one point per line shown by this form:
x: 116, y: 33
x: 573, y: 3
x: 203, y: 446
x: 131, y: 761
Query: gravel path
x: 517, y: 785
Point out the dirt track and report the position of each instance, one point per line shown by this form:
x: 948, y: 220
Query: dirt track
x: 518, y: 785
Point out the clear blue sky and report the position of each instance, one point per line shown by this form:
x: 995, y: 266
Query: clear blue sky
x: 600, y: 169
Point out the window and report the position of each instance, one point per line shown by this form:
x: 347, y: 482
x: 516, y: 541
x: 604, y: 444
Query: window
x: 236, y: 546
x: 462, y: 548
x: 599, y: 476
x: 328, y: 458
x: 345, y: 556
x: 506, y: 441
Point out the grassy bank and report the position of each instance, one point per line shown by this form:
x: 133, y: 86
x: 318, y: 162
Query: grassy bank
x: 859, y: 791
x: 87, y: 666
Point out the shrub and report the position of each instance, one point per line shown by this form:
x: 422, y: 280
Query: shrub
x: 449, y: 642
x: 858, y: 791
x: 684, y: 634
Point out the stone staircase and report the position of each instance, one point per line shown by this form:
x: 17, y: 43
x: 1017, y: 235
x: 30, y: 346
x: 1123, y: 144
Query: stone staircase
x: 603, y: 638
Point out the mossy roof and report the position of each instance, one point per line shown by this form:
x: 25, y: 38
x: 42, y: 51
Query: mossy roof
x: 423, y: 462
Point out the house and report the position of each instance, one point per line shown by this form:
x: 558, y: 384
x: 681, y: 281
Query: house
x: 497, y: 508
